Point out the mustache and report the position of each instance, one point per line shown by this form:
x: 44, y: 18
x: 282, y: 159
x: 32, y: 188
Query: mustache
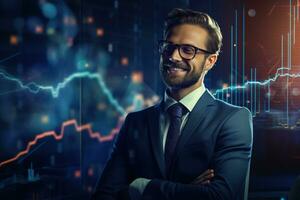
x: 181, y: 65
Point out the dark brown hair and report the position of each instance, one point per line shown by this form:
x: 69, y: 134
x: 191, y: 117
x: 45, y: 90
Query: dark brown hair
x: 180, y: 16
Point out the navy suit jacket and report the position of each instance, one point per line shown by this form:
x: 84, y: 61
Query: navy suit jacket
x: 217, y: 135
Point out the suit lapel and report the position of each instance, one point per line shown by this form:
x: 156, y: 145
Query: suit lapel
x: 194, y: 120
x: 154, y: 133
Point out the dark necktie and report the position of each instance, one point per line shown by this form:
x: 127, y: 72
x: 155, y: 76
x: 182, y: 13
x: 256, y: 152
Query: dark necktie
x: 175, y: 112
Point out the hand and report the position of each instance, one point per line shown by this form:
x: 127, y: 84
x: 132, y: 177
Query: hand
x: 204, y: 178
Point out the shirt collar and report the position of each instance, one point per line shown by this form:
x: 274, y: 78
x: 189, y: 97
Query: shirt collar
x: 189, y: 101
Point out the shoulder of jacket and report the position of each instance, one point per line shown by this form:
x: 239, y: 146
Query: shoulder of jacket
x: 142, y: 112
x: 229, y: 108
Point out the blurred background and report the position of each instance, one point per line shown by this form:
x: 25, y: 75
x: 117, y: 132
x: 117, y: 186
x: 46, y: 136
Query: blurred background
x: 71, y: 70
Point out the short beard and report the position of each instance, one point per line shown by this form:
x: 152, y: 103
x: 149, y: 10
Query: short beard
x: 187, y: 81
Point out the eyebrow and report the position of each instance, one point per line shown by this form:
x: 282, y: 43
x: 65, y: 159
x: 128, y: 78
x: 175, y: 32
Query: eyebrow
x: 184, y: 44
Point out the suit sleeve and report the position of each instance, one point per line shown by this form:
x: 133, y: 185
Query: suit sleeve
x: 230, y: 162
x: 114, y: 181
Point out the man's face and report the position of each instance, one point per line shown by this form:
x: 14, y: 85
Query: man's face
x: 188, y: 72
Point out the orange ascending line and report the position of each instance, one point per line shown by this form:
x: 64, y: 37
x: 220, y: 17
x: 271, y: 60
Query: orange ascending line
x: 87, y: 127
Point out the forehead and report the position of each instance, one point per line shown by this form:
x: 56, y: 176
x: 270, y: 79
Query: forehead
x: 188, y: 34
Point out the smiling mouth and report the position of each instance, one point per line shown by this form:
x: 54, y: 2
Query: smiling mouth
x: 171, y: 68
x: 174, y: 70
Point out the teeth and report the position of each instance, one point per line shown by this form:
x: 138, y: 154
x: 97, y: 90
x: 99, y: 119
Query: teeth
x: 175, y: 69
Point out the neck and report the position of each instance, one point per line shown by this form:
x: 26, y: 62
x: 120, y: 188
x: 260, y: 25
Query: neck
x: 178, y: 94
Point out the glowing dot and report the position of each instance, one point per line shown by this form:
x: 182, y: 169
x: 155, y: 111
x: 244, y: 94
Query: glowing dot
x: 89, y: 20
x: 147, y: 102
x: 81, y: 64
x: 234, y: 45
x: 155, y: 98
x: 101, y: 106
x: 110, y: 47
x: 124, y: 61
x: 69, y: 20
x: 49, y: 10
x: 91, y: 171
x: 116, y: 4
x: 77, y: 174
x: 251, y: 12
x: 139, y: 97
x: 45, y: 119
x: 100, y: 32
x: 50, y: 31
x: 89, y: 189
x: 137, y: 77
x: 70, y: 41
x: 13, y: 40
x: 295, y: 92
x: 86, y: 65
x: 39, y: 29
x: 225, y: 85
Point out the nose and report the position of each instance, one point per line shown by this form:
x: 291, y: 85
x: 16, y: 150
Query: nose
x: 175, y: 55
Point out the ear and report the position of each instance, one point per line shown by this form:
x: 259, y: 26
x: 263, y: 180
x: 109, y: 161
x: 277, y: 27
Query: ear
x: 210, y: 62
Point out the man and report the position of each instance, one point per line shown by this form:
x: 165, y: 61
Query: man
x: 164, y: 152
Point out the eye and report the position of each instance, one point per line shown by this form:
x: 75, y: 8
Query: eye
x: 187, y: 49
x: 167, y: 48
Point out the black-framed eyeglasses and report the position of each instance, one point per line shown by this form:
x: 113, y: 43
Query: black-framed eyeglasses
x: 186, y: 51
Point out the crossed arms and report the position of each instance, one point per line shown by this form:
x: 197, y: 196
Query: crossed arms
x: 230, y: 162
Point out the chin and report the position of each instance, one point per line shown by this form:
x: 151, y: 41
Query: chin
x: 181, y: 85
x: 174, y: 86
x: 170, y: 83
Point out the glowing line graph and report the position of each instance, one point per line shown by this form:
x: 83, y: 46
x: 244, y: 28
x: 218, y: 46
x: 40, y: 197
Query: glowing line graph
x: 114, y: 131
x: 56, y: 136
x: 55, y: 91
x: 261, y: 83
